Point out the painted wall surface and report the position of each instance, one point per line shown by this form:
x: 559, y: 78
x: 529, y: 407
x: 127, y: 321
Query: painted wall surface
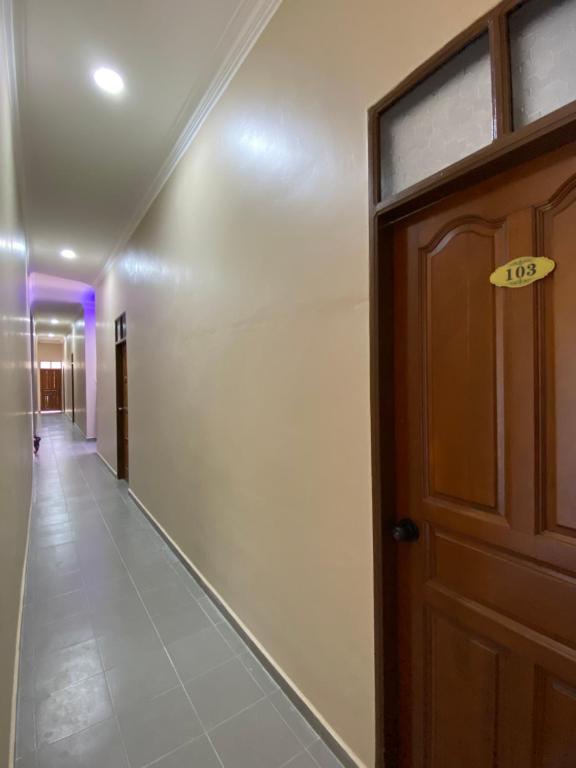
x: 52, y: 352
x: 246, y: 292
x: 15, y: 405
x: 78, y: 348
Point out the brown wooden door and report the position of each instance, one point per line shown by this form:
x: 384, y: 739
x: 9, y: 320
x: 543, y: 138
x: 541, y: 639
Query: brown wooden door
x: 122, y: 409
x: 485, y: 461
x: 50, y: 389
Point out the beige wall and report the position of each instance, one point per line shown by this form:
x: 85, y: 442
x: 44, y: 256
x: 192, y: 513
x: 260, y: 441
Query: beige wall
x: 246, y: 291
x: 15, y: 407
x: 77, y: 346
x: 52, y: 352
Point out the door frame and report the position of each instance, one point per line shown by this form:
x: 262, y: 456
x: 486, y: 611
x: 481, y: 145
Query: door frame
x: 121, y: 350
x: 509, y: 148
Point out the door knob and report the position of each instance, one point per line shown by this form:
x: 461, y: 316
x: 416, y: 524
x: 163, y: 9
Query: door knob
x: 405, y: 530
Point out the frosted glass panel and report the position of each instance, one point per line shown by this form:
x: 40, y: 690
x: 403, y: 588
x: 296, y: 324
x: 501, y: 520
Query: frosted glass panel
x: 444, y: 119
x: 543, y: 58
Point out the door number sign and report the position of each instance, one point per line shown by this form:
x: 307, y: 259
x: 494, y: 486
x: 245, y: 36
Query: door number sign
x: 521, y: 272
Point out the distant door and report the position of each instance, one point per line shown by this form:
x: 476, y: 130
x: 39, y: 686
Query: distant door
x: 486, y: 436
x: 72, y: 388
x: 50, y: 389
x: 122, y: 409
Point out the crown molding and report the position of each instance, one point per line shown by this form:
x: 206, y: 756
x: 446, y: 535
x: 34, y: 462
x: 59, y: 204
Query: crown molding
x: 239, y: 38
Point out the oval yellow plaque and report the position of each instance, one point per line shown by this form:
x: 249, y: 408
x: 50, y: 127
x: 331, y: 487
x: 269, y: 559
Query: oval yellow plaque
x: 521, y: 272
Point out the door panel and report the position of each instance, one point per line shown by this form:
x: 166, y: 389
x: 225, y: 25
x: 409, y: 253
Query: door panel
x: 557, y: 237
x: 50, y: 389
x: 460, y: 327
x: 462, y: 697
x: 555, y: 723
x: 485, y: 432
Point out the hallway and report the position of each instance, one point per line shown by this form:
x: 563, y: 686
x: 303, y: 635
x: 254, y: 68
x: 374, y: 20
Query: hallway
x: 125, y: 662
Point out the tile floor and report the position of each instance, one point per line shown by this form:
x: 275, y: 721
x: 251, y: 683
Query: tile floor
x: 125, y: 662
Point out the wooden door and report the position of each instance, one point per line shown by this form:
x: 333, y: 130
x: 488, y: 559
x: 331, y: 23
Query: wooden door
x: 122, y: 409
x: 50, y: 389
x: 485, y: 446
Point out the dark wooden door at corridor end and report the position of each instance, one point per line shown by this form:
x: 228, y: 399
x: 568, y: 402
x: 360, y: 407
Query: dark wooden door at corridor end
x: 485, y: 413
x: 50, y: 389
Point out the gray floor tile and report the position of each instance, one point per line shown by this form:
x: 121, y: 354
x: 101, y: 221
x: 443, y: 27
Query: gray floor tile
x: 256, y: 738
x: 149, y: 574
x: 197, y: 754
x: 62, y: 556
x: 232, y: 637
x: 211, y: 610
x: 166, y: 598
x: 297, y: 724
x: 99, y: 746
x: 26, y: 689
x: 180, y: 623
x: 53, y: 538
x: 61, y: 669
x: 188, y: 580
x: 128, y: 615
x: 28, y: 761
x: 101, y: 571
x: 158, y: 726
x: 25, y: 728
x: 196, y: 654
x: 256, y: 669
x: 117, y: 647
x: 144, y: 675
x: 53, y: 584
x: 71, y: 710
x: 323, y: 756
x: 62, y: 634
x: 223, y: 692
x: 105, y: 595
x: 305, y: 760
x: 60, y: 607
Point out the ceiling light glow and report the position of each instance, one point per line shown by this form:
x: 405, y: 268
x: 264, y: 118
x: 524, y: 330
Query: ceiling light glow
x: 51, y: 335
x: 66, y: 253
x: 54, y: 321
x: 108, y: 80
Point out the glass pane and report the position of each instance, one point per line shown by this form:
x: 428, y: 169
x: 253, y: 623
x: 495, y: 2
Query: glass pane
x: 444, y: 119
x: 44, y: 365
x: 56, y: 365
x: 542, y: 57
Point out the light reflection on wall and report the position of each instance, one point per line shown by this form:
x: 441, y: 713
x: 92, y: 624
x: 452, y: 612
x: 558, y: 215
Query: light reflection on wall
x: 145, y: 269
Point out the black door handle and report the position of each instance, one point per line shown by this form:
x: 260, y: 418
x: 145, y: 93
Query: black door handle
x: 405, y: 530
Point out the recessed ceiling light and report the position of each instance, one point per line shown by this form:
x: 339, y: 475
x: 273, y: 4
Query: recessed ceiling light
x: 108, y: 80
x: 54, y: 321
x: 66, y: 253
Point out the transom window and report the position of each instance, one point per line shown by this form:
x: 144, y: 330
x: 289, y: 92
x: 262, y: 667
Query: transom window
x: 514, y: 67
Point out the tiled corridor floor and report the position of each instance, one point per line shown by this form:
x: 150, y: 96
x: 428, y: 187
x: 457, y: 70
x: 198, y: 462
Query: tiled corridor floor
x: 125, y: 661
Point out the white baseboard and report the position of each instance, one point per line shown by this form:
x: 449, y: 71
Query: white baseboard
x: 107, y: 464
x: 306, y: 708
x: 14, y: 710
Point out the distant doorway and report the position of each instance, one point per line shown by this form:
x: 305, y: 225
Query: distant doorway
x: 122, y: 398
x: 50, y: 387
x: 72, y: 388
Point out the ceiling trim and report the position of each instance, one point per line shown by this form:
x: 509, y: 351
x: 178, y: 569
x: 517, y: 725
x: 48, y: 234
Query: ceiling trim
x: 240, y: 37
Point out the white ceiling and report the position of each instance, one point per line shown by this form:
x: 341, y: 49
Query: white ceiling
x: 93, y: 163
